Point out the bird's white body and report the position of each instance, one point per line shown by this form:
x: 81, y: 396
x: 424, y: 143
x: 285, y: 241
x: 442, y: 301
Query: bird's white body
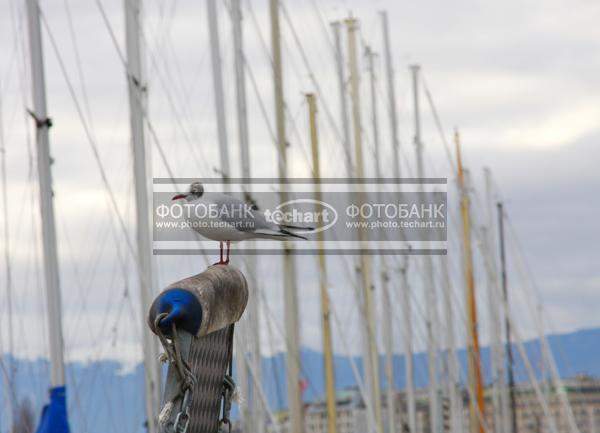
x: 226, y: 219
x: 244, y: 223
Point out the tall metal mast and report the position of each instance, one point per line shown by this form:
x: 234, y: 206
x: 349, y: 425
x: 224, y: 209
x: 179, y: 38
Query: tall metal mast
x: 509, y: 353
x: 494, y: 308
x: 409, y: 375
x: 386, y: 302
x: 456, y: 407
x: 339, y: 58
x: 215, y: 55
x: 142, y: 173
x: 371, y: 358
x: 325, y: 309
x: 427, y: 276
x: 370, y: 55
x: 476, y: 401
x: 404, y: 287
x: 289, y: 266
x: 391, y: 94
x: 43, y: 123
x: 254, y: 419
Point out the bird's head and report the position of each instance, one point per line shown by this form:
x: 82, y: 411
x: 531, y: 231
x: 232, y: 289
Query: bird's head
x: 196, y: 191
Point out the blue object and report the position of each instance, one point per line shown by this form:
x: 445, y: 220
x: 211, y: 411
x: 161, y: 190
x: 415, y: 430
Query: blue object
x: 54, y: 415
x: 182, y: 307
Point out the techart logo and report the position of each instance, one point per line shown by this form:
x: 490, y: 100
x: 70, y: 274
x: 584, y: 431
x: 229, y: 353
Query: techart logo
x: 315, y: 215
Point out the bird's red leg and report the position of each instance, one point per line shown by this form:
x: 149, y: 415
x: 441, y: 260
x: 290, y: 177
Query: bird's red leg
x: 228, y: 247
x: 220, y: 262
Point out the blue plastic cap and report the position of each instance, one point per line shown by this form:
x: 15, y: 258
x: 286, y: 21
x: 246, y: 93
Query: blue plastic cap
x: 182, y: 308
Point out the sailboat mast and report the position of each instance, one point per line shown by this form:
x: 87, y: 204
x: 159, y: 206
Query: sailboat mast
x: 142, y: 173
x: 240, y: 80
x: 494, y: 304
x: 43, y: 123
x: 325, y: 307
x: 339, y: 62
x: 242, y: 345
x: 289, y: 266
x: 427, y: 275
x: 386, y: 302
x: 217, y: 74
x: 371, y: 357
x: 476, y: 401
x: 456, y: 411
x: 370, y: 55
x: 409, y: 375
x: 255, y: 414
x: 391, y: 94
x: 509, y: 353
x: 404, y: 287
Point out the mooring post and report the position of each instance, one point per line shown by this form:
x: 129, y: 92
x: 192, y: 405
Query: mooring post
x: 194, y: 319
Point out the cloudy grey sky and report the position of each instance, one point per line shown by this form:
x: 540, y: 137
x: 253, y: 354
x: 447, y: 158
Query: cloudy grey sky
x: 519, y: 78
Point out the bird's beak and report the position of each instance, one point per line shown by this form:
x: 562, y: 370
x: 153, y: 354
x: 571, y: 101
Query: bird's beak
x: 179, y: 196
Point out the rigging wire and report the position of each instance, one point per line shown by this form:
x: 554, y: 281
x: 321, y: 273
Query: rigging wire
x: 79, y: 67
x: 264, y: 46
x: 525, y: 357
x: 440, y: 131
x: 201, y: 160
x: 88, y: 132
x: 525, y: 271
x: 144, y: 112
x: 438, y: 123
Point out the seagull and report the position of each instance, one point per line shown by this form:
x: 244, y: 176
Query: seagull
x: 231, y: 219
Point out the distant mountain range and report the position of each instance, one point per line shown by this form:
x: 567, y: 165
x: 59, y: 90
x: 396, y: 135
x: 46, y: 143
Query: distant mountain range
x: 101, y: 399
